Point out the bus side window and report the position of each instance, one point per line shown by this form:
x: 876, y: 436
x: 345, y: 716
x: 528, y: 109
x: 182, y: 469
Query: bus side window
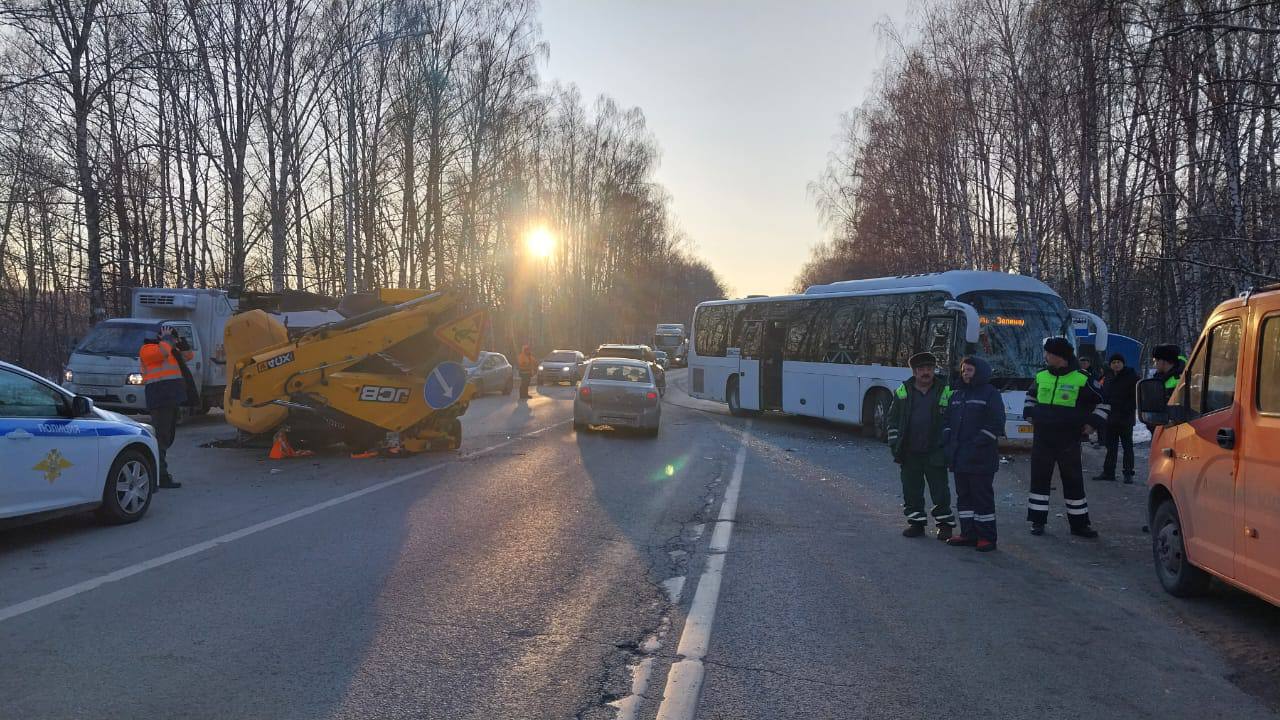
x: 844, y: 342
x: 707, y: 332
x: 799, y: 331
x: 751, y: 339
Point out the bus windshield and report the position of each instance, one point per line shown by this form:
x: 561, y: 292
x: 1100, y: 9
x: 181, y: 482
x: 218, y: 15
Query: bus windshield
x: 1014, y: 326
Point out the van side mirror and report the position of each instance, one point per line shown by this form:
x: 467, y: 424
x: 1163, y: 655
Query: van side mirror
x: 81, y: 406
x: 1154, y: 407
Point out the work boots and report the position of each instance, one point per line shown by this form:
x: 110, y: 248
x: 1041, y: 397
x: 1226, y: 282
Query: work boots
x: 913, y: 530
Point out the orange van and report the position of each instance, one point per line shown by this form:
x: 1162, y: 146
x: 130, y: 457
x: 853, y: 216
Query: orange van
x: 1214, y: 484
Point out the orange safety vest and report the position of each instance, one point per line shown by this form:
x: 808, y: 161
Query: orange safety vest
x: 527, y: 362
x: 158, y: 363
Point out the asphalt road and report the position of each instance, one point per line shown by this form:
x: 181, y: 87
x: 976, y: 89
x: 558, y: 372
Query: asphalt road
x: 534, y: 572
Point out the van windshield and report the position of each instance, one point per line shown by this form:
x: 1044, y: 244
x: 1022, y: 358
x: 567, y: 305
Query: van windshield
x: 110, y: 338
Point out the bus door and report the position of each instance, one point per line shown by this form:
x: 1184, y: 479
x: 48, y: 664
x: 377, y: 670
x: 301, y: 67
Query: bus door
x: 772, y: 341
x: 749, y: 365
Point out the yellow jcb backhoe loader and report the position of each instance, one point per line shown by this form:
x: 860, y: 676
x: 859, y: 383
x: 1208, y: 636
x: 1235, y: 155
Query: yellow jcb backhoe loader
x: 359, y: 381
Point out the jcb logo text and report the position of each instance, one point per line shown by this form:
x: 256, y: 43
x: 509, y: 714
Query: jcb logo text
x: 378, y: 393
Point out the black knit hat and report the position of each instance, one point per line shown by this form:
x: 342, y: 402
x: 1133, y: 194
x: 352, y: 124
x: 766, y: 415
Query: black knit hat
x: 1167, y: 353
x: 923, y: 359
x: 1061, y: 347
x: 1117, y: 356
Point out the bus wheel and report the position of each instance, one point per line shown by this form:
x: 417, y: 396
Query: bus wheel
x: 875, y: 414
x: 732, y: 396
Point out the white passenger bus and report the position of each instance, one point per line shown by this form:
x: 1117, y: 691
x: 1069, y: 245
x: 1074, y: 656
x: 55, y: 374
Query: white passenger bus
x: 839, y: 351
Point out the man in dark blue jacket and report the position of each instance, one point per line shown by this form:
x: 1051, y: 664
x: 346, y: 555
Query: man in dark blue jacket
x: 974, y: 424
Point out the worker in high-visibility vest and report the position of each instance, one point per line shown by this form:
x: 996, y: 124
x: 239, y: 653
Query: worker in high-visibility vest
x: 1063, y: 405
x: 527, y: 364
x: 1169, y: 363
x: 915, y: 422
x: 166, y: 393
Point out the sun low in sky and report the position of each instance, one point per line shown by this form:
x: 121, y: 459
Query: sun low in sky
x: 745, y: 99
x: 541, y: 242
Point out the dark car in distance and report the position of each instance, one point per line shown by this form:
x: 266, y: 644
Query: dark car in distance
x: 561, y: 366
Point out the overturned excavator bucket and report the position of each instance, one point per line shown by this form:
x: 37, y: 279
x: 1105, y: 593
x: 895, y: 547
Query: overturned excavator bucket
x: 245, y: 334
x: 361, y: 381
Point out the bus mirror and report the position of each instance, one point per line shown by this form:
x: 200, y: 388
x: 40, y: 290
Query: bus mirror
x: 1098, y: 325
x: 972, y: 325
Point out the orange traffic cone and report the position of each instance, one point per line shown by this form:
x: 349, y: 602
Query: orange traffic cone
x: 281, y: 449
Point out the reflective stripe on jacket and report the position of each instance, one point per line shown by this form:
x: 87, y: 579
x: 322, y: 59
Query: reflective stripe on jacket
x: 158, y: 362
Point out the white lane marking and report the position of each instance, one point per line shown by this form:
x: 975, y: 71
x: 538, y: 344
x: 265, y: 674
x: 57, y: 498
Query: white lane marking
x: 684, y: 682
x: 80, y: 588
x: 629, y: 706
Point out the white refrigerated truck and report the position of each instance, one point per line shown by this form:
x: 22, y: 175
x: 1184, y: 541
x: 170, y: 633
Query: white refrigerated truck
x: 104, y: 365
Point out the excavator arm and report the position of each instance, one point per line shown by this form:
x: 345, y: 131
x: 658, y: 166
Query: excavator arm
x: 361, y: 380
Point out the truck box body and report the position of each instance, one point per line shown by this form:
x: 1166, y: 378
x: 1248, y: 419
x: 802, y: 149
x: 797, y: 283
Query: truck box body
x: 206, y: 310
x: 104, y: 366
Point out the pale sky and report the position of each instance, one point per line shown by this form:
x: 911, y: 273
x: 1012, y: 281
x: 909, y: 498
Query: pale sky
x: 744, y: 98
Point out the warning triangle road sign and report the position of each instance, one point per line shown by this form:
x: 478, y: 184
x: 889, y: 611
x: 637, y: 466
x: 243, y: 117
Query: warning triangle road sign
x: 465, y: 333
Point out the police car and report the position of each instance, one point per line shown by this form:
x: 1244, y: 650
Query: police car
x: 59, y: 454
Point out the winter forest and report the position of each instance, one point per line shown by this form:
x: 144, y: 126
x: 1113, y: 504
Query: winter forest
x: 329, y: 146
x: 1124, y: 151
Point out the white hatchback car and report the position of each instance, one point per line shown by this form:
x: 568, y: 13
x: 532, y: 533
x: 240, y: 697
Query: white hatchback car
x: 62, y: 455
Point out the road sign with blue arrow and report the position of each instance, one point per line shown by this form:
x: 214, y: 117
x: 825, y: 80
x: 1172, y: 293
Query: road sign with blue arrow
x: 445, y: 384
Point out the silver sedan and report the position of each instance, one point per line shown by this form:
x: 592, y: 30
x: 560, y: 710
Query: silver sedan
x: 619, y: 393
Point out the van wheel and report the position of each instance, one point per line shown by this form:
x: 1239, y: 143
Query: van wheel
x: 875, y: 415
x: 126, y: 495
x: 1168, y: 548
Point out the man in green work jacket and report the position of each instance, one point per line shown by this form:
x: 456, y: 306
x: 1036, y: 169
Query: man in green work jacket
x: 915, y: 438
